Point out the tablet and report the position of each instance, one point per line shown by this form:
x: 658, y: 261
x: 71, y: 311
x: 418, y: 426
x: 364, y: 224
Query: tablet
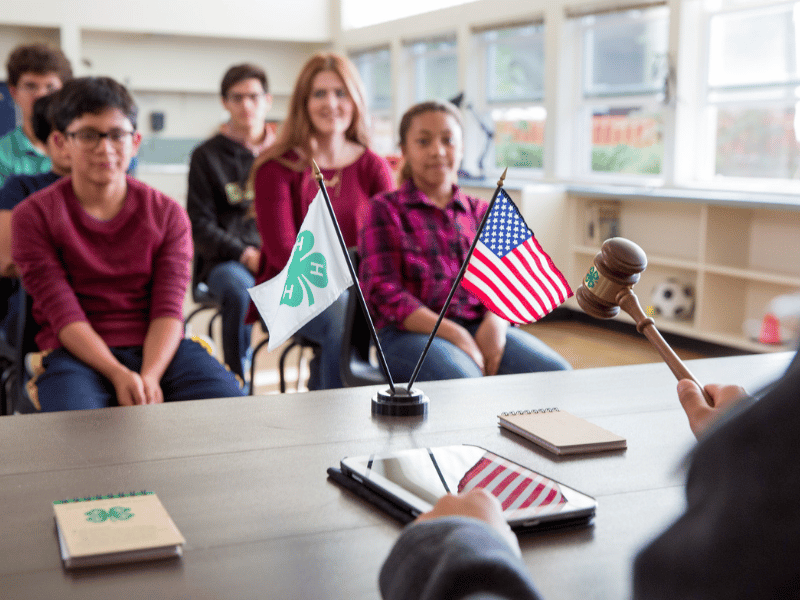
x: 409, y: 482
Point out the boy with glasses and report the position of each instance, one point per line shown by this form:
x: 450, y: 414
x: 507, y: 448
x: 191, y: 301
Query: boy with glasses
x: 106, y: 260
x: 227, y: 242
x: 34, y: 71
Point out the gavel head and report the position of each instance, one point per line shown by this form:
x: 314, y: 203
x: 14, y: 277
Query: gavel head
x: 617, y: 266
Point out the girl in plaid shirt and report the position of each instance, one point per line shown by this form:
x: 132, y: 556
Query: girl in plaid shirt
x: 413, y: 244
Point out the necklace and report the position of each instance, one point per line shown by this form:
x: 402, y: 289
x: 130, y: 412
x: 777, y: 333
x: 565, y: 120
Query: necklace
x: 335, y: 182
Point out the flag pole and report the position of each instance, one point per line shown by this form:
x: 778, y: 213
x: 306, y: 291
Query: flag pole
x: 361, y: 301
x: 457, y: 281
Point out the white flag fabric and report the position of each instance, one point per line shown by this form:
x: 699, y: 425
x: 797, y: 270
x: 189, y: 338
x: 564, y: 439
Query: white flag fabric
x: 315, y: 276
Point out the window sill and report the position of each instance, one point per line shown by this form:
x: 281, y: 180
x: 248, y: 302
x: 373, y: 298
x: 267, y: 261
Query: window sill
x: 741, y: 199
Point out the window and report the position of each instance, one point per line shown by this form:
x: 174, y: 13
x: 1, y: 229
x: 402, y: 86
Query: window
x: 512, y: 95
x: 753, y: 91
x: 375, y: 69
x: 434, y: 69
x: 624, y: 74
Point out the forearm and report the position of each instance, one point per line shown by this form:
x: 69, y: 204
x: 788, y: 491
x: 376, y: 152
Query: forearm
x: 424, y: 319
x: 85, y: 344
x: 6, y: 262
x: 160, y: 344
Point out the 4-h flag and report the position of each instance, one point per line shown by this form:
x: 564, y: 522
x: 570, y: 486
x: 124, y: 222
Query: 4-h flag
x: 314, y: 278
x: 509, y: 272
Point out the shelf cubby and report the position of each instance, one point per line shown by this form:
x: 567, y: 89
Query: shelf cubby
x: 737, y: 255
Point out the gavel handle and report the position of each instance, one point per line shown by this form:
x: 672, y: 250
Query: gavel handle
x: 628, y: 302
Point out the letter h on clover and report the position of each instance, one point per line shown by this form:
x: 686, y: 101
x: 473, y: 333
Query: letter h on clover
x: 306, y: 268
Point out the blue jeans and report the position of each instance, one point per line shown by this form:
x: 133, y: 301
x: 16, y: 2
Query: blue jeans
x: 327, y: 330
x: 70, y: 384
x: 523, y: 353
x: 228, y: 283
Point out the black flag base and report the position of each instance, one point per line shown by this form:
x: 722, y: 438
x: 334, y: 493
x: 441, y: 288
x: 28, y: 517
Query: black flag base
x: 400, y: 402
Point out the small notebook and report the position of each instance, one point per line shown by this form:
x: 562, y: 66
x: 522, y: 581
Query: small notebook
x: 561, y: 432
x: 118, y: 528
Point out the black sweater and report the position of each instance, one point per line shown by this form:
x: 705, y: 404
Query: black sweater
x: 217, y: 204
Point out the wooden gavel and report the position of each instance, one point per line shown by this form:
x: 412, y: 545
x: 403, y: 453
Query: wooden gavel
x: 607, y: 287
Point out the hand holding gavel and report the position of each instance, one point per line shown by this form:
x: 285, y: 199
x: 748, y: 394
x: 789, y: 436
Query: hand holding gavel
x: 607, y: 287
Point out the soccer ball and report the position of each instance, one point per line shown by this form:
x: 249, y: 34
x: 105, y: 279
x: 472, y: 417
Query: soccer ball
x: 673, y: 299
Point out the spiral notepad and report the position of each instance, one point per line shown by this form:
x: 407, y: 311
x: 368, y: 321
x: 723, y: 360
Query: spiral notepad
x: 115, y: 528
x: 560, y: 432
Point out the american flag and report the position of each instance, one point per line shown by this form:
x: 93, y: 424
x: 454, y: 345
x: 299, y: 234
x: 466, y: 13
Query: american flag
x: 509, y: 272
x: 513, y: 487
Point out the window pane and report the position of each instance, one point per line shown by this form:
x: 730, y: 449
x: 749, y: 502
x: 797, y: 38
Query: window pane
x: 515, y: 64
x: 435, y: 70
x: 375, y: 71
x: 753, y: 47
x: 757, y: 142
x: 626, y: 53
x: 627, y: 140
x: 519, y: 138
x: 382, y: 81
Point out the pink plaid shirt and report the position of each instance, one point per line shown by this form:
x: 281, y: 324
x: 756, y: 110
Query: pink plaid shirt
x: 411, y: 251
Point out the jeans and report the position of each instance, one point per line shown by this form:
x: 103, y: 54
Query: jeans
x: 523, y: 353
x: 327, y: 330
x: 70, y: 384
x: 228, y: 283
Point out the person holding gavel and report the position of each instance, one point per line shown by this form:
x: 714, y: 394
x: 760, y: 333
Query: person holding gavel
x: 739, y: 536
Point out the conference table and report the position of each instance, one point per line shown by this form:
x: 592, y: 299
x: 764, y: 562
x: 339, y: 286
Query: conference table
x: 245, y: 481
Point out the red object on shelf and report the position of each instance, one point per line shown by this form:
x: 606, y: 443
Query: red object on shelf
x: 770, y: 330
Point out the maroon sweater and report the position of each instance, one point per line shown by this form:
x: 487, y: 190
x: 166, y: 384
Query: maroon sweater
x: 285, y: 188
x: 117, y: 275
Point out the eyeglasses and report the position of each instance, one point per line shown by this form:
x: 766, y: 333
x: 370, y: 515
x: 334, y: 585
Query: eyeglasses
x: 33, y: 88
x: 89, y: 139
x: 239, y: 98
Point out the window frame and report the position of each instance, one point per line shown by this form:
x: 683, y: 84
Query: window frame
x: 655, y: 100
x: 756, y: 96
x: 386, y: 113
x: 484, y: 106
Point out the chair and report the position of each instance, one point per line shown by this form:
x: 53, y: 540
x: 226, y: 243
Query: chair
x: 8, y: 354
x: 205, y: 301
x: 297, y: 341
x: 15, y: 377
x: 354, y: 363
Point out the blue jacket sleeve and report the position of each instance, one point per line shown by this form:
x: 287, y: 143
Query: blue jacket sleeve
x: 454, y: 558
x: 740, y: 534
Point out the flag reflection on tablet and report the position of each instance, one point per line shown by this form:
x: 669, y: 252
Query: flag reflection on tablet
x: 514, y: 487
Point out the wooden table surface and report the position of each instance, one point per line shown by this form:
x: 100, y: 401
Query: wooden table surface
x: 245, y: 481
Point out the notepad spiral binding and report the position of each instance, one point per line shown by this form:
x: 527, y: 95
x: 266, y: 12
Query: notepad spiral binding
x: 529, y: 412
x: 104, y: 497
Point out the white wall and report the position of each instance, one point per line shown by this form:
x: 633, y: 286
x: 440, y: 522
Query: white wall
x: 156, y: 62
x: 172, y: 54
x: 12, y: 36
x: 300, y: 20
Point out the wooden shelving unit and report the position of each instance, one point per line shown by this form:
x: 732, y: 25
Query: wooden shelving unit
x: 738, y: 256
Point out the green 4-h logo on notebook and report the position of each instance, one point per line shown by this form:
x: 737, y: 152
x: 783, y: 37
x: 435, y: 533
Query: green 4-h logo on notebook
x: 115, y: 513
x: 306, y: 268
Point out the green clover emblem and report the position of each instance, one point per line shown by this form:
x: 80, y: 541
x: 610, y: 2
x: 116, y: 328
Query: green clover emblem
x: 591, y: 277
x: 116, y: 513
x: 306, y: 268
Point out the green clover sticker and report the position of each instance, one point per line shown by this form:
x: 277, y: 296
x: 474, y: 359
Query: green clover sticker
x: 116, y: 513
x: 306, y: 268
x: 591, y: 278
